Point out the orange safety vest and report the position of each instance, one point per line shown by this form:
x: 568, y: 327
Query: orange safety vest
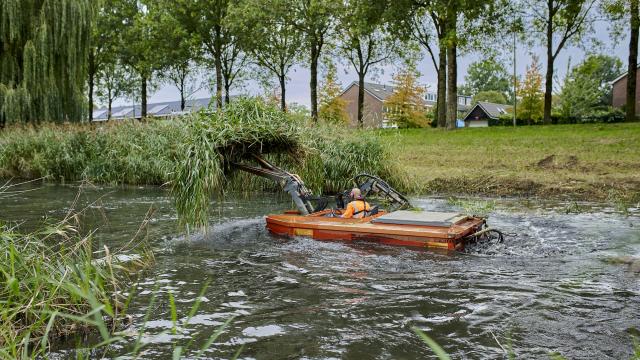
x: 356, y: 209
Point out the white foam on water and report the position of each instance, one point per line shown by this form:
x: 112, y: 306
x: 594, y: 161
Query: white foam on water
x: 263, y: 331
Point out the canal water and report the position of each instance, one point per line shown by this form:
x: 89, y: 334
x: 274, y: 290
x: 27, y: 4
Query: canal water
x: 550, y: 287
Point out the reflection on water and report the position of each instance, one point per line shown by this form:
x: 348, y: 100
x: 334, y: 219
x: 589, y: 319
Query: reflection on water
x: 545, y: 290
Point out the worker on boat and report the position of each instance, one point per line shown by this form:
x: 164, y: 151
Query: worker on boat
x: 358, y: 207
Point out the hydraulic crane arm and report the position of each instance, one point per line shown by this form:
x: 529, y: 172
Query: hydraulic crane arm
x: 370, y: 184
x: 290, y: 183
x: 302, y: 197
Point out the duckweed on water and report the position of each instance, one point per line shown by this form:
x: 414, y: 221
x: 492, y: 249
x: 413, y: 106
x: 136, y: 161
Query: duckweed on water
x: 475, y: 207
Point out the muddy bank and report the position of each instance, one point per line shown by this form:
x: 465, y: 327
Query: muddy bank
x: 624, y: 192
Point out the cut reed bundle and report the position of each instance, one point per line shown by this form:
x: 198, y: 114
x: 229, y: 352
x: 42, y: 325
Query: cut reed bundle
x: 326, y: 157
x: 213, y: 140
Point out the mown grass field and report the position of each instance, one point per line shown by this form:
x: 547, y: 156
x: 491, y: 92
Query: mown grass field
x: 591, y: 161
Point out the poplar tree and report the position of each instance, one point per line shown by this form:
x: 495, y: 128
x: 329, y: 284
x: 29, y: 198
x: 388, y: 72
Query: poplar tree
x: 43, y: 59
x: 180, y: 49
x: 468, y: 24
x: 625, y: 16
x: 139, y: 50
x: 234, y: 66
x: 632, y: 64
x: 314, y: 19
x: 428, y: 28
x: 452, y: 15
x: 208, y: 20
x: 266, y: 31
x: 105, y: 42
x: 113, y: 82
x: 436, y: 25
x: 365, y: 41
x: 559, y: 23
x: 531, y: 97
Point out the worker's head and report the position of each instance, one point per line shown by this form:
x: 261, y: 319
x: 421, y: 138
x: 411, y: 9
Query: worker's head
x: 356, y: 194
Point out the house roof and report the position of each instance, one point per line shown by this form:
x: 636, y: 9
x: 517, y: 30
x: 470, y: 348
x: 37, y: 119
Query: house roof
x: 492, y: 110
x: 622, y: 76
x: 153, y: 109
x: 383, y: 91
x: 379, y: 91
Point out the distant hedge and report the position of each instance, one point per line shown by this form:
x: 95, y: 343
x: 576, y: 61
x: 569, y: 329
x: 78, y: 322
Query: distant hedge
x: 606, y: 117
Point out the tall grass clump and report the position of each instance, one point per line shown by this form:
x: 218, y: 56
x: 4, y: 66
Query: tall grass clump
x: 114, y: 153
x: 338, y: 154
x: 52, y: 284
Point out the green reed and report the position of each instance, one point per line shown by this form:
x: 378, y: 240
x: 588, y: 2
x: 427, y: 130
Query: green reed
x: 51, y: 278
x: 194, y: 154
x: 116, y: 153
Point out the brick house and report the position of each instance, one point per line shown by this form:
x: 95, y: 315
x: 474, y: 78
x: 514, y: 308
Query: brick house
x: 374, y: 112
x: 620, y: 92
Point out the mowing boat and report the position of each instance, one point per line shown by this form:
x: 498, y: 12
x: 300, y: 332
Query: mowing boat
x: 399, y: 225
x: 404, y: 228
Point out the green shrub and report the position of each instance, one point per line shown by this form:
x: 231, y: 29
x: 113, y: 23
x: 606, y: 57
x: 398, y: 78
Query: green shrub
x: 604, y: 117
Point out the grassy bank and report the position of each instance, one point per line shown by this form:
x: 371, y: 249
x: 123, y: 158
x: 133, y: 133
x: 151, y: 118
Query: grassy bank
x: 579, y: 162
x: 590, y: 162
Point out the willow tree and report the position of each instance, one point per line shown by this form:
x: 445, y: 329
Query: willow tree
x: 315, y: 19
x: 266, y: 32
x: 559, y: 23
x: 43, y: 59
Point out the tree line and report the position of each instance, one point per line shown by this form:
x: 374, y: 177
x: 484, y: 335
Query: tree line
x: 57, y: 56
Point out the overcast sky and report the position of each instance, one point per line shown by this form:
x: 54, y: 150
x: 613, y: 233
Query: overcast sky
x: 298, y: 84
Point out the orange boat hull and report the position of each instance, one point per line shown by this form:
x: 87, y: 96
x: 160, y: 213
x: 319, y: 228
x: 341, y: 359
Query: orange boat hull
x: 320, y: 227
